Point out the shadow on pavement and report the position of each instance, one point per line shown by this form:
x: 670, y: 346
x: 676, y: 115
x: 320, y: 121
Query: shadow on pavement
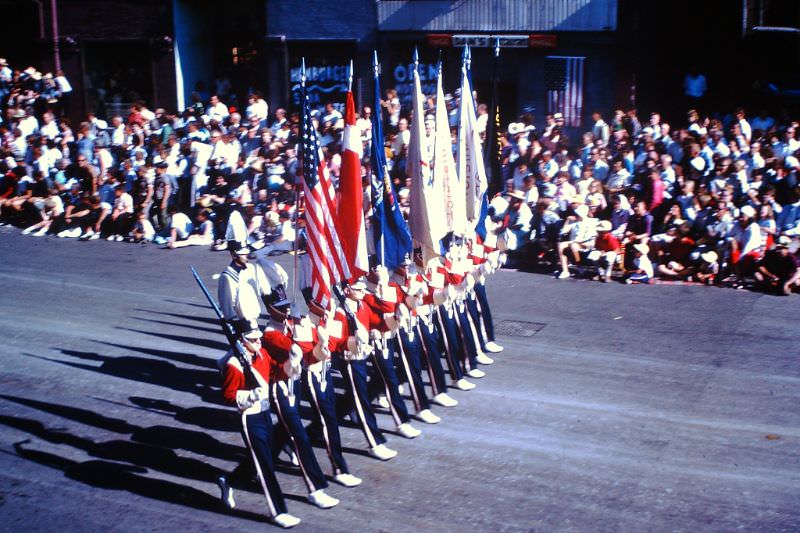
x: 115, y: 476
x: 178, y: 325
x: 205, y: 319
x: 179, y: 357
x: 205, y: 343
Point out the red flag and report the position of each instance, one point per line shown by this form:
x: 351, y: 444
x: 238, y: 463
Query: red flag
x: 351, y: 195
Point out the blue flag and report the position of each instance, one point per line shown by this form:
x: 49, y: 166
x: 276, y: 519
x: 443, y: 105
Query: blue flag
x: 389, y: 229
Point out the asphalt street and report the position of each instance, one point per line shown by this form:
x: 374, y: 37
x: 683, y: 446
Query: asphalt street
x: 612, y: 408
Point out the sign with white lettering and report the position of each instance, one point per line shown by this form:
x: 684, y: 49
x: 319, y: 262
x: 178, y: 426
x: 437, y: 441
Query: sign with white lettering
x: 323, y: 84
x: 489, y: 41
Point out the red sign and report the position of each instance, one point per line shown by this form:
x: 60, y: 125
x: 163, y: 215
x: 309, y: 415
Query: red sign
x: 539, y: 40
x: 439, y: 40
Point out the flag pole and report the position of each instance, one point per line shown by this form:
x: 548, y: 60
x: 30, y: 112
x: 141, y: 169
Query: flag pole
x: 376, y: 67
x: 297, y: 191
x: 350, y: 77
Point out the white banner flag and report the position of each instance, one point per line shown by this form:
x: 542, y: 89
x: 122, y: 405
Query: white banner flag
x: 425, y: 219
x: 444, y: 168
x: 470, y: 155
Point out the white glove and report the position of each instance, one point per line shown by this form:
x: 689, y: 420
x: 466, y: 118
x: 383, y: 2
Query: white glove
x: 383, y: 275
x: 374, y: 334
x: 259, y: 394
x: 469, y: 282
x: 402, y: 315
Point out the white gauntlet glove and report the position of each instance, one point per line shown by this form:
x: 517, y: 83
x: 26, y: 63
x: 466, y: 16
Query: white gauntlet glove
x: 293, y: 366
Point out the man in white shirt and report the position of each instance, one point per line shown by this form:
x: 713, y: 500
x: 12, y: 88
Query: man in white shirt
x: 581, y: 230
x: 402, y: 138
x: 744, y: 126
x: 217, y: 111
x: 49, y: 126
x: 600, y: 130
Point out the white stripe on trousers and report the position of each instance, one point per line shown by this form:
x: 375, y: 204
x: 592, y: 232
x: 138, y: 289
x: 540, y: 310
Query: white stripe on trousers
x: 357, y: 401
x: 274, y: 386
x: 451, y: 359
x: 428, y: 356
x: 272, y: 511
x: 328, y: 447
x: 407, y: 367
x: 392, y: 410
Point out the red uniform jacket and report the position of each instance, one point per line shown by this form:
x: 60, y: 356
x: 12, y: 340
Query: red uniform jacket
x: 234, y: 380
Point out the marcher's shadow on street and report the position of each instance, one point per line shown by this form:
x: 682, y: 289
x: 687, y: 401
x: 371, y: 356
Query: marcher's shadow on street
x: 109, y: 475
x: 194, y: 327
x: 204, y: 417
x: 145, y: 370
x: 220, y: 346
x: 204, y: 319
x: 198, y: 442
x: 178, y: 357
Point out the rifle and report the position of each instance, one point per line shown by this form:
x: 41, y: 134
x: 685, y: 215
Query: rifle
x: 234, y: 342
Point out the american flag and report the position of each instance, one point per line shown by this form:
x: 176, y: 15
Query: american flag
x: 328, y: 262
x: 564, y: 81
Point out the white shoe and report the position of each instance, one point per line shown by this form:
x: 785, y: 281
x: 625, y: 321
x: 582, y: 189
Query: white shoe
x: 382, y: 452
x: 285, y: 520
x: 322, y: 500
x: 70, y: 233
x: 110, y: 238
x: 383, y: 402
x: 493, y: 347
x: 463, y: 384
x: 408, y: 431
x: 484, y: 359
x: 94, y: 237
x: 88, y: 233
x: 476, y: 373
x: 428, y: 417
x: 348, y: 480
x: 27, y: 230
x: 119, y: 238
x: 225, y: 493
x: 564, y: 274
x: 444, y: 400
x: 41, y: 233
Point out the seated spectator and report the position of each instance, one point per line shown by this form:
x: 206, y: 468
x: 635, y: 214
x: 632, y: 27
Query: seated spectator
x: 642, y: 269
x: 201, y: 234
x: 142, y: 230
x: 579, y: 233
x: 605, y: 251
x: 778, y: 271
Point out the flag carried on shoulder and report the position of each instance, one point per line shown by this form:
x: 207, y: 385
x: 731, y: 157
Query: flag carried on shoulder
x: 324, y: 246
x: 426, y: 217
x: 470, y: 165
x: 389, y: 229
x: 351, y: 197
x: 444, y: 168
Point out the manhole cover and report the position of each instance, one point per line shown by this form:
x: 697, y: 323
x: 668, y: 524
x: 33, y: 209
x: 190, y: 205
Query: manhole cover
x: 516, y: 328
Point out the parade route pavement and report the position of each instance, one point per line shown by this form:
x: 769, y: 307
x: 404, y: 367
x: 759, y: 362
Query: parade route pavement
x: 613, y: 408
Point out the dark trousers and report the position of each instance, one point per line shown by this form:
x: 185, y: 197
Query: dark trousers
x: 432, y: 346
x: 475, y: 317
x: 257, y: 434
x: 448, y: 326
x: 383, y: 366
x: 409, y: 348
x: 290, y: 428
x: 470, y: 346
x: 318, y: 390
x: 358, y: 400
x: 486, y: 312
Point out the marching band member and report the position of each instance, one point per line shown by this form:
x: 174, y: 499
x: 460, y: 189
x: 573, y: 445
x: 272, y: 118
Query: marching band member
x: 246, y: 387
x: 383, y: 303
x: 281, y: 338
x: 241, y: 285
x: 427, y: 330
x: 328, y: 333
x: 353, y: 363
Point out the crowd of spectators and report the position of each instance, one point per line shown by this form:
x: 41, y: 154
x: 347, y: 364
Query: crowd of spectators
x: 713, y: 200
